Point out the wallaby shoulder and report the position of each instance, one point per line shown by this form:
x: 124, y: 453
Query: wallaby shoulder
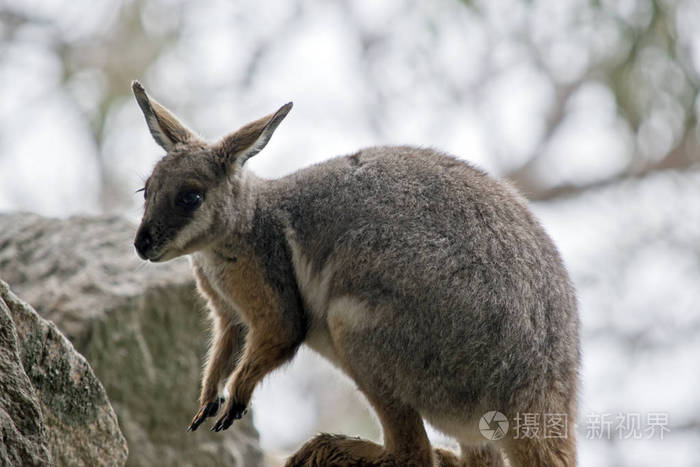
x: 407, y: 235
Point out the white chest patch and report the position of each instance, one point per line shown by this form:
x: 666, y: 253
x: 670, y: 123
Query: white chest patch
x: 208, y: 264
x: 213, y: 270
x: 314, y: 287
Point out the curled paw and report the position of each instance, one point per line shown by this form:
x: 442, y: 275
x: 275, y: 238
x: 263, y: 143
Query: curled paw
x: 233, y: 411
x: 207, y: 410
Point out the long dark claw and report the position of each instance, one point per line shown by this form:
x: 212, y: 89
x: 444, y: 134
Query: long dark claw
x: 208, y: 410
x: 226, y: 420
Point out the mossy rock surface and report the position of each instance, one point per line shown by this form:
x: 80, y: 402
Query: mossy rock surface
x: 53, y: 409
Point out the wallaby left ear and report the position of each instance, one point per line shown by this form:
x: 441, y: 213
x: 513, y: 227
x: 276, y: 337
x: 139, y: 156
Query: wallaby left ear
x: 165, y: 128
x: 243, y: 144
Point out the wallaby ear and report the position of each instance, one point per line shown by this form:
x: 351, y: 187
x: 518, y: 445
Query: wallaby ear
x: 243, y: 144
x: 165, y: 128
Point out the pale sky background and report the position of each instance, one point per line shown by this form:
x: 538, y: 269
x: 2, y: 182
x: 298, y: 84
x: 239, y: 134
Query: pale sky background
x: 505, y: 84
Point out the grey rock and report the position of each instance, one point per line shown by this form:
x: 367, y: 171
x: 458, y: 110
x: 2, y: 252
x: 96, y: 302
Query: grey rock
x: 53, y: 409
x: 142, y: 327
x: 21, y: 422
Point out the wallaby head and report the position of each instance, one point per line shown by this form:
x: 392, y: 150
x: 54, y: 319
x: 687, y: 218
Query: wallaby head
x: 197, y: 189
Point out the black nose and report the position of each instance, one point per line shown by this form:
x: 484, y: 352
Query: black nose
x: 143, y: 242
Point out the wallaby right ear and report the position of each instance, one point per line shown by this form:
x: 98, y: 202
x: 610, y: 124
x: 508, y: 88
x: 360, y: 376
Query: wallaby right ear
x: 165, y: 128
x: 249, y: 140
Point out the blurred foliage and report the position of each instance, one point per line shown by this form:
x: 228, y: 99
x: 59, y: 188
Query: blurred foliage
x: 645, y: 57
x: 645, y: 52
x: 99, y: 53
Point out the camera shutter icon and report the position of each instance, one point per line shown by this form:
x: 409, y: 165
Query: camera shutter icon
x: 493, y: 425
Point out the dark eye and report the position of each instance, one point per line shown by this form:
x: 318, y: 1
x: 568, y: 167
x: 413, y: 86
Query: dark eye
x: 190, y: 199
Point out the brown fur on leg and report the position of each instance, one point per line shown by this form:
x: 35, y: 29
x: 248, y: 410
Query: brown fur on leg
x: 264, y: 351
x: 342, y: 451
x: 405, y: 440
x: 549, y: 452
x: 485, y: 455
x: 223, y: 353
x: 337, y: 450
x: 472, y: 456
x: 545, y: 449
x: 222, y: 356
x: 405, y: 444
x: 224, y: 349
x: 445, y: 458
x: 262, y: 355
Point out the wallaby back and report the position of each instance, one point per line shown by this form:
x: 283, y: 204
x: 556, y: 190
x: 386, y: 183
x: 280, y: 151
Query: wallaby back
x: 452, y: 267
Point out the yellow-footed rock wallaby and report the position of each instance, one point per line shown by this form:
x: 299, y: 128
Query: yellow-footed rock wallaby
x: 427, y: 282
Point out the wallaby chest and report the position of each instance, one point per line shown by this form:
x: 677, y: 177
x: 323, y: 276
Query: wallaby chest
x: 238, y: 280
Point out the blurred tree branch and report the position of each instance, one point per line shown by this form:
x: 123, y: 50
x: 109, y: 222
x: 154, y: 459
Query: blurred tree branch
x: 125, y: 48
x: 621, y: 76
x: 118, y: 52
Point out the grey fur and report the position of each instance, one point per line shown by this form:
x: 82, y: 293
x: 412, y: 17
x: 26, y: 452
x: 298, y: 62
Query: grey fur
x: 433, y: 242
x: 467, y: 305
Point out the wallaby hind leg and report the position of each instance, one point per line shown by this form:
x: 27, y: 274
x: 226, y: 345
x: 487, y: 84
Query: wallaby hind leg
x: 545, y: 452
x: 338, y: 450
x: 405, y: 440
x: 405, y: 444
